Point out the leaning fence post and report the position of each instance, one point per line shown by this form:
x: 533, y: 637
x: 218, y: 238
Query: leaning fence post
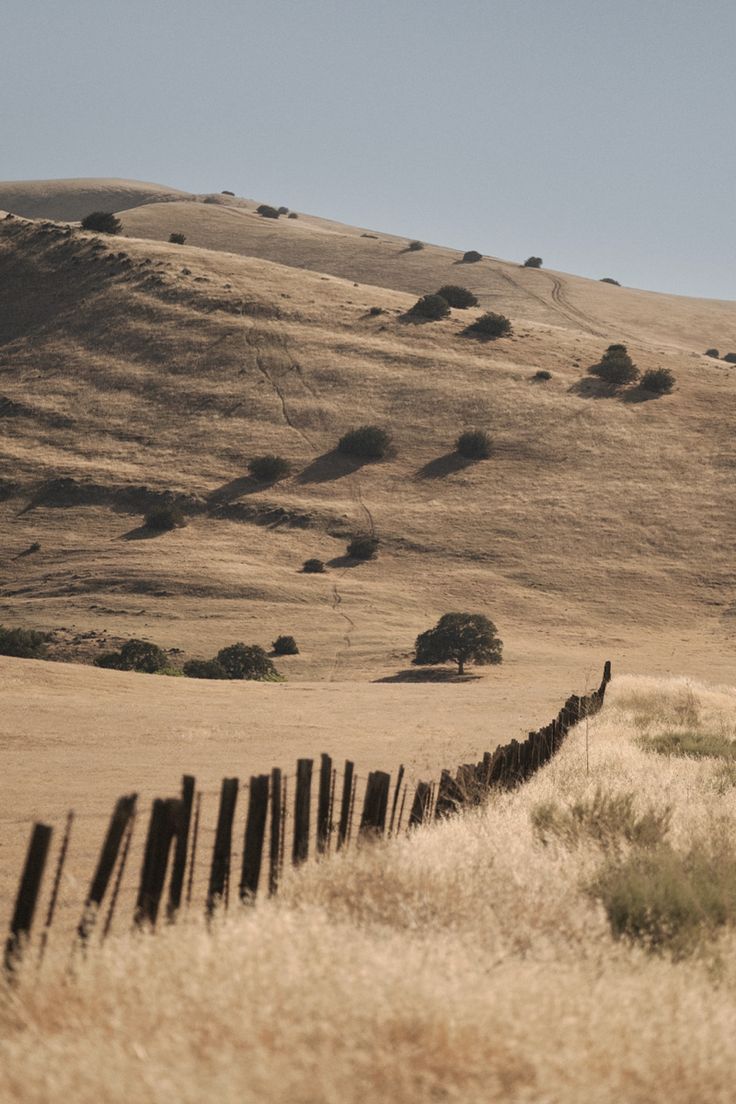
x: 420, y: 806
x: 56, y: 884
x: 397, y: 789
x: 255, y: 831
x: 179, y: 864
x: 323, y: 804
x: 220, y: 868
x: 121, y: 814
x: 302, y: 801
x: 193, y: 855
x: 347, y: 787
x: 28, y: 890
x: 375, y: 804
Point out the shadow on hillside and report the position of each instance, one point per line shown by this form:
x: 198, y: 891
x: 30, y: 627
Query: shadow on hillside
x: 639, y: 395
x: 443, y: 466
x: 428, y: 674
x: 591, y: 388
x: 346, y: 561
x: 331, y: 465
x: 142, y: 532
x: 236, y: 488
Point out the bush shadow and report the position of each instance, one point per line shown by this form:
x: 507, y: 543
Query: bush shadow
x: 431, y: 674
x: 330, y: 466
x: 346, y: 561
x: 591, y: 388
x: 443, y: 466
x: 142, y: 532
x: 639, y: 395
x: 236, y: 488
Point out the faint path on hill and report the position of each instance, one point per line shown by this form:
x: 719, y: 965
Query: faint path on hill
x: 273, y: 360
x: 336, y: 605
x: 357, y: 493
x: 560, y: 303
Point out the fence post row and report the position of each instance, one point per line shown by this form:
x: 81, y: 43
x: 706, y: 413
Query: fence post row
x: 121, y: 814
x: 28, y: 891
x: 179, y: 864
x: 255, y: 832
x: 222, y: 850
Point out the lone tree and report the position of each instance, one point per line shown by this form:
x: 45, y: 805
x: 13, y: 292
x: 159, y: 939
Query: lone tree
x: 456, y: 296
x: 459, y: 638
x: 245, y: 661
x: 533, y: 262
x: 104, y: 222
x: 431, y: 307
x: 616, y: 368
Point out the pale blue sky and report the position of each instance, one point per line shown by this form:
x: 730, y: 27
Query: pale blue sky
x: 598, y: 134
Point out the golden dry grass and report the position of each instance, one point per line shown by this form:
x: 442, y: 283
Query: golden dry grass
x: 464, y: 963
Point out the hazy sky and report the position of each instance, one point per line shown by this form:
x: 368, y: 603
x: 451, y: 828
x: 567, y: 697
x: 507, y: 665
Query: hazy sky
x: 598, y: 134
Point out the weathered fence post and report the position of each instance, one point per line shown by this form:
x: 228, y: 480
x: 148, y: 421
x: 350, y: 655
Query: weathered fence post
x: 220, y: 868
x: 323, y: 804
x: 347, y: 789
x: 420, y: 806
x: 274, y: 850
x: 179, y: 865
x: 302, y: 803
x: 375, y: 804
x: 118, y: 878
x: 121, y: 814
x: 28, y: 890
x: 193, y: 855
x: 255, y: 832
x: 161, y: 829
x: 56, y: 884
x: 449, y: 796
x: 394, y: 803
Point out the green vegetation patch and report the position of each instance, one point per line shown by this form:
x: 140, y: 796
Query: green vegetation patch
x: 605, y: 819
x: 697, y: 745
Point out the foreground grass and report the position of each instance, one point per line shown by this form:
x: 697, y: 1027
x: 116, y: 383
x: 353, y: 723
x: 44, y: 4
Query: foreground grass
x: 479, y: 960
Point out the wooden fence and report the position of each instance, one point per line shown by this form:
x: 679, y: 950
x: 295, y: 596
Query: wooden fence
x: 324, y: 810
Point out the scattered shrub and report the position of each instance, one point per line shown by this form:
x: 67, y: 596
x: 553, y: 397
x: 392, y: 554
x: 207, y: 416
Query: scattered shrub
x: 474, y: 444
x: 431, y: 307
x: 415, y: 246
x: 459, y: 638
x: 533, y: 262
x: 104, y: 222
x: 616, y: 368
x: 246, y: 661
x: 489, y: 325
x: 363, y: 548
x: 283, y: 210
x: 135, y: 655
x: 459, y: 297
x: 285, y: 645
x: 164, y: 518
x: 267, y: 212
x: 313, y: 567
x: 694, y: 744
x: 269, y: 469
x: 375, y: 311
x: 730, y: 358
x: 177, y: 239
x: 713, y: 353
x: 293, y: 214
x: 605, y: 819
x: 472, y: 256
x: 22, y: 643
x: 226, y: 192
x: 205, y: 669
x: 542, y: 375
x: 368, y: 442
x: 659, y: 380
x: 610, y: 280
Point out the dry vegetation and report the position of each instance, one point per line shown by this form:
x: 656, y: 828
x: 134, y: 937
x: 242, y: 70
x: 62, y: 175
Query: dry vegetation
x: 472, y: 961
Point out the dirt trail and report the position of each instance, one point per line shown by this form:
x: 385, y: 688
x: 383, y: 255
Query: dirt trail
x: 336, y: 605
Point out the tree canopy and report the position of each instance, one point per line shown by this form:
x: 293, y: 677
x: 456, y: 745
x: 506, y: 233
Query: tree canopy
x: 459, y: 638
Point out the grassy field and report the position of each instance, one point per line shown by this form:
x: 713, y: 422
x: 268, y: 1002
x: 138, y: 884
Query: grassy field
x: 475, y: 960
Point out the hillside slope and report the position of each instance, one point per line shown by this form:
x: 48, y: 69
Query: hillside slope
x: 131, y: 370
x: 70, y: 200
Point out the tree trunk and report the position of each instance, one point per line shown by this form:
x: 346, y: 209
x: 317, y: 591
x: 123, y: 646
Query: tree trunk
x: 461, y: 666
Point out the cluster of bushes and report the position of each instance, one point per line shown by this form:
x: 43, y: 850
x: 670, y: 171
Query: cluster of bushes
x: 103, y: 222
x: 730, y: 358
x: 177, y: 239
x: 22, y: 643
x: 136, y: 655
x: 266, y: 211
x: 617, y: 370
x: 436, y: 306
x: 236, y: 661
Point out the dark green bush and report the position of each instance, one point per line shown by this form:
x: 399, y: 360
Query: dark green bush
x: 542, y: 375
x: 658, y: 380
x: 474, y: 444
x: 293, y: 214
x: 363, y: 548
x: 285, y: 645
x: 472, y: 256
x: 616, y: 368
x: 606, y: 819
x: 713, y: 353
x: 135, y: 655
x: 246, y: 661
x: 730, y: 358
x: 431, y: 307
x: 22, y: 643
x: 205, y: 669
x: 177, y: 239
x: 368, y: 442
x: 489, y: 325
x: 375, y: 311
x: 415, y: 246
x: 283, y: 210
x: 533, y: 262
x: 456, y: 296
x: 265, y: 211
x: 226, y: 192
x: 610, y: 280
x: 459, y: 638
x: 104, y: 222
x: 269, y: 469
x: 164, y: 518
x: 313, y: 567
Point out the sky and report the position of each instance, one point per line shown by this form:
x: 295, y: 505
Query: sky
x: 598, y: 135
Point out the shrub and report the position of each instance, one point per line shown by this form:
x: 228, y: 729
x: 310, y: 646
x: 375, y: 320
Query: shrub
x: 369, y: 442
x: 610, y: 280
x: 730, y: 358
x: 533, y: 262
x: 375, y: 311
x: 267, y: 212
x: 104, y: 222
x: 459, y: 638
x: 474, y: 444
x: 164, y: 518
x: 459, y: 297
x: 313, y: 567
x: 415, y: 246
x: 135, y: 655
x: 285, y: 645
x: 605, y: 819
x: 472, y: 256
x: 246, y: 661
x: 177, y: 239
x: 22, y: 643
x: 696, y: 745
x: 713, y: 353
x: 489, y: 325
x: 293, y: 214
x: 363, y: 548
x: 283, y: 210
x: 431, y: 307
x: 659, y: 380
x: 269, y: 469
x: 205, y: 669
x: 226, y: 192
x: 542, y: 375
x: 616, y: 368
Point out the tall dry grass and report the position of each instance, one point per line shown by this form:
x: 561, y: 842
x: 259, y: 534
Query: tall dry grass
x: 467, y: 963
